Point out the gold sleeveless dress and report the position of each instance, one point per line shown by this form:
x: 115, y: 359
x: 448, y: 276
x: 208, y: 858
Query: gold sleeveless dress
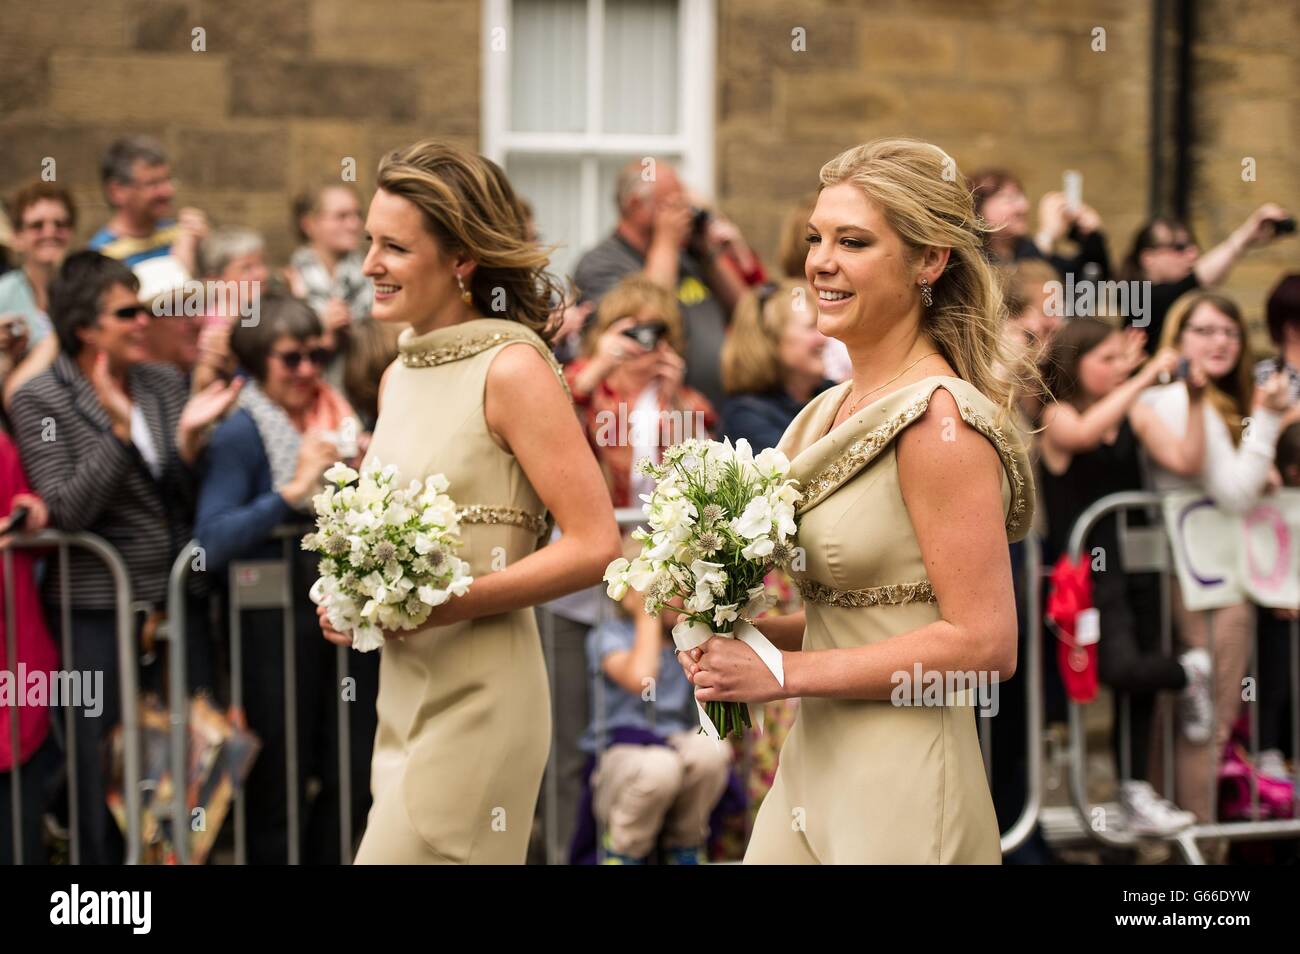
x: 464, y: 710
x: 864, y: 781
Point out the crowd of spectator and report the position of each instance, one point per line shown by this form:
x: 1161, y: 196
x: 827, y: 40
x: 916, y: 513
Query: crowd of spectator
x: 151, y: 426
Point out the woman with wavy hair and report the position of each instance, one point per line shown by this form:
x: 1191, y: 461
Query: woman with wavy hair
x: 1241, y: 422
x: 913, y: 480
x: 464, y: 706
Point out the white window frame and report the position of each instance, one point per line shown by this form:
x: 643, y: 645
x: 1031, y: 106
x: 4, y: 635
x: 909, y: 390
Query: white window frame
x: 693, y: 144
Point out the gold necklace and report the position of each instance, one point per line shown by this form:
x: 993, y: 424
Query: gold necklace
x: 853, y: 407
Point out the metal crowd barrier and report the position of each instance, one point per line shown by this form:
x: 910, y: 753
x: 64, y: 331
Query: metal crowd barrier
x: 1159, y: 560
x: 256, y: 584
x: 126, y: 659
x: 1030, y: 668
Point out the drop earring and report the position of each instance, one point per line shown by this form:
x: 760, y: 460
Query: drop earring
x: 465, y: 295
x: 927, y: 296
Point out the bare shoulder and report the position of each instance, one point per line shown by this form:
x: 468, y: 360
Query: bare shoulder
x: 518, y: 369
x: 940, y: 446
x: 521, y: 379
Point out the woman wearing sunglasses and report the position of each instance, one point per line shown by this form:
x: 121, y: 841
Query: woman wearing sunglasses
x: 264, y: 463
x: 110, y: 441
x: 45, y: 219
x: 1165, y: 254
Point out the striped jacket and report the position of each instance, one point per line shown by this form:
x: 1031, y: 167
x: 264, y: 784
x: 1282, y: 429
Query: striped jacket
x: 92, y: 481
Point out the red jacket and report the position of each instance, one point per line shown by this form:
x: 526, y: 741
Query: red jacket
x: 35, y: 647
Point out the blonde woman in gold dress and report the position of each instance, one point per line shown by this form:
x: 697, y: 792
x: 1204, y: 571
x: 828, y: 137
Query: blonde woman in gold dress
x: 914, y: 480
x: 464, y: 706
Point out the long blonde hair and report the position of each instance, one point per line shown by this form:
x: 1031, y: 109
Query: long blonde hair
x: 916, y: 186
x: 469, y: 206
x: 751, y: 362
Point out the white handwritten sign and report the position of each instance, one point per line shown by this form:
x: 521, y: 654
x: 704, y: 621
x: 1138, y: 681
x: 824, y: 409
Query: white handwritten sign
x: 1223, y: 558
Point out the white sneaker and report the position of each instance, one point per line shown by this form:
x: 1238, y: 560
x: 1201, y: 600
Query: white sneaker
x: 1273, y: 765
x: 1148, y: 813
x: 1194, y: 701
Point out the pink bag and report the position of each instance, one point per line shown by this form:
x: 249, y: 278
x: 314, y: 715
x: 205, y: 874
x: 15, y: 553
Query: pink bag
x: 1275, y: 794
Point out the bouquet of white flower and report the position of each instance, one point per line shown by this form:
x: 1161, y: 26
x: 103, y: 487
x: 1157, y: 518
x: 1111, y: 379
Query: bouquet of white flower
x: 719, y: 518
x: 388, y: 555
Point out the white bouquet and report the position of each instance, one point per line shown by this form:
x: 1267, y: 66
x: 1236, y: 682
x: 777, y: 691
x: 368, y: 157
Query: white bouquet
x: 388, y: 555
x: 719, y: 518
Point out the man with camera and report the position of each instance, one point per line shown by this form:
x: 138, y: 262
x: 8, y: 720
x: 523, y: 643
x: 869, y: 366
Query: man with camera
x: 697, y: 254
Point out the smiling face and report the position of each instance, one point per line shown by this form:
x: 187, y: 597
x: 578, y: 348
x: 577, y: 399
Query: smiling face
x: 121, y: 328
x: 1212, y: 340
x: 45, y: 232
x: 292, y: 372
x: 415, y: 281
x: 863, y: 273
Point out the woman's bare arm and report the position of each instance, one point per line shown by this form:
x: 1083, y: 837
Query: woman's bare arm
x: 783, y: 632
x: 959, y: 526
x: 526, y: 406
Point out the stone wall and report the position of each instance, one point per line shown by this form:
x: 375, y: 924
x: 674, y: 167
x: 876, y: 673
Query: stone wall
x: 286, y: 90
x: 282, y: 94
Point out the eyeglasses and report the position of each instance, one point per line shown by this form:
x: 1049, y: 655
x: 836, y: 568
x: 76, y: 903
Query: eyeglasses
x: 129, y: 312
x: 1212, y: 331
x: 292, y: 359
x: 1174, y: 246
x: 60, y: 225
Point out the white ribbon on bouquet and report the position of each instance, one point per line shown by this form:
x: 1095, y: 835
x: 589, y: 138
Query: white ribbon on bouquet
x: 695, y: 634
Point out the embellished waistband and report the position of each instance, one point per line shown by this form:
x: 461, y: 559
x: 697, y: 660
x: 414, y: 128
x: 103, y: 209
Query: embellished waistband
x: 508, y: 515
x: 893, y: 594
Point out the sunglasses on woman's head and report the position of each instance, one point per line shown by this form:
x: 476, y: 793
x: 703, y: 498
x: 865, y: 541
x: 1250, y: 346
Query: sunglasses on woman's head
x: 291, y: 359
